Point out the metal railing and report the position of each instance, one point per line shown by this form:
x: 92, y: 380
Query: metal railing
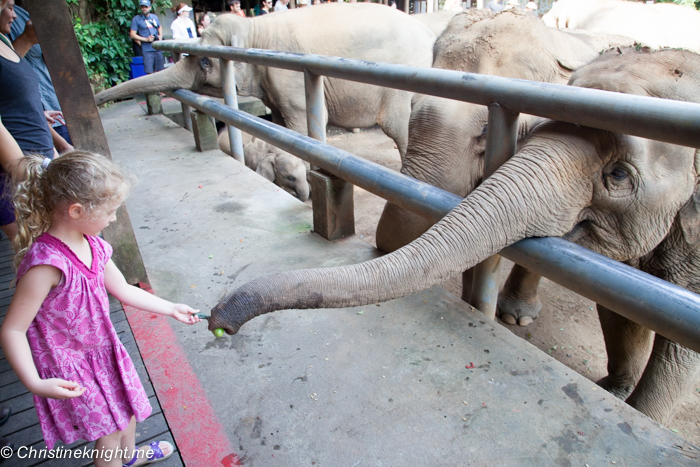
x: 663, y: 307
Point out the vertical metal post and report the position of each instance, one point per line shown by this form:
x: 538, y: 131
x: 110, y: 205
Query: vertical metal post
x: 332, y: 197
x: 186, y: 110
x: 228, y: 83
x: 187, y: 115
x: 315, y: 106
x: 501, y: 141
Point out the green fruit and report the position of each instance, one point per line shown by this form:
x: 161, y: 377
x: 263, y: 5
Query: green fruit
x: 218, y: 332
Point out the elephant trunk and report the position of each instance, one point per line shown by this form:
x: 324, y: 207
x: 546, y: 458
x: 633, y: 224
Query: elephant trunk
x: 180, y: 75
x: 503, y: 210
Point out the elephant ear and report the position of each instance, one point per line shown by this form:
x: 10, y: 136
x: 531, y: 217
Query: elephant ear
x: 266, y: 167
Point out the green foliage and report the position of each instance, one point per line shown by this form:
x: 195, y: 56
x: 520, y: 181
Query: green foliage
x: 688, y: 3
x: 104, y: 38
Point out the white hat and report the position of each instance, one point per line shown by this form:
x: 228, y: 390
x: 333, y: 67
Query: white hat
x: 184, y: 8
x: 531, y: 5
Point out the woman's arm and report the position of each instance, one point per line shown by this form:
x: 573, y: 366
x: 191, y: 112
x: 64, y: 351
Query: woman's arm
x: 142, y: 300
x: 10, y: 153
x: 59, y: 143
x: 30, y: 293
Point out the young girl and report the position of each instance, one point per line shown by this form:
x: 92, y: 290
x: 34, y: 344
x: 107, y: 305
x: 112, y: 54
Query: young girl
x: 57, y: 334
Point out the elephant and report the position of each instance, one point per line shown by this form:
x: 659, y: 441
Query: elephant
x: 630, y: 198
x: 437, y: 21
x: 359, y: 31
x: 280, y: 167
x: 447, y: 138
x: 658, y: 25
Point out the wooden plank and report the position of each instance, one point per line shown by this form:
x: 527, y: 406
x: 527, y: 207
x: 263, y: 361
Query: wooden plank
x: 12, y: 390
x: 7, y: 377
x: 20, y: 421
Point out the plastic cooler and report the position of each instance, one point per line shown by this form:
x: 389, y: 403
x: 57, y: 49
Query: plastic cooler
x: 136, y: 68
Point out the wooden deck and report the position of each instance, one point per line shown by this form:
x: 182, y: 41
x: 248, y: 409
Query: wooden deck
x: 23, y: 429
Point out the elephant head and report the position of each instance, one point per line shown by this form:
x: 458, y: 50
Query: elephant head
x: 619, y: 195
x: 280, y: 167
x: 198, y: 74
x: 447, y: 138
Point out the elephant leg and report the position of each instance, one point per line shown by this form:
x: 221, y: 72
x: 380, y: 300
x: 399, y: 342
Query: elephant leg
x: 669, y: 376
x: 628, y: 345
x: 518, y: 301
x: 398, y: 227
x: 467, y: 283
x: 394, y: 119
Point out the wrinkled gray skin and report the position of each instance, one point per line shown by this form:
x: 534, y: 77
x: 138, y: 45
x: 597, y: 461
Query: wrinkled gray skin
x: 361, y: 31
x: 447, y: 138
x: 629, y: 198
x: 280, y: 167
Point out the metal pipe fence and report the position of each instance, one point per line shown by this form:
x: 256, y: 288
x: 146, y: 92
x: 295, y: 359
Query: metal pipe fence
x: 668, y: 309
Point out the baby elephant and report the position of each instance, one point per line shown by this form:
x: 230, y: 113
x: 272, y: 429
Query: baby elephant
x: 280, y: 167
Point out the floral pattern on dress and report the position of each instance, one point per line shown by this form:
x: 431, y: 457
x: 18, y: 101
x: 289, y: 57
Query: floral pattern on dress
x: 72, y: 337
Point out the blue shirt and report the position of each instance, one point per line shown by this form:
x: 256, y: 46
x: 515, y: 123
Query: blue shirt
x: 144, y: 27
x: 35, y: 58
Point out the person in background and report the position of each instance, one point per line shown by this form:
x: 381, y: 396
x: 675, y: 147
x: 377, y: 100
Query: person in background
x: 495, y: 5
x: 24, y: 126
x: 22, y: 30
x: 10, y: 155
x: 265, y: 8
x: 392, y: 4
x: 531, y: 7
x: 183, y: 27
x: 146, y: 29
x: 281, y: 5
x: 20, y: 98
x: 202, y: 24
x: 235, y: 8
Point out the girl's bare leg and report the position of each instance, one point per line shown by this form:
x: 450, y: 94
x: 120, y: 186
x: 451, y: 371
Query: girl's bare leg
x: 128, y: 441
x: 107, y: 449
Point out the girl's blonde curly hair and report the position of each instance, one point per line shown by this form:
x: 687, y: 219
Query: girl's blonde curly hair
x: 82, y: 177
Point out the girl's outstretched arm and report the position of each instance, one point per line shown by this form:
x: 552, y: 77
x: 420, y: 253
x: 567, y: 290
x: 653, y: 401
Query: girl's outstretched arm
x: 30, y: 293
x: 142, y: 300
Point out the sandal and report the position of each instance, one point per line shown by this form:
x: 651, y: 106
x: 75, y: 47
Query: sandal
x: 156, y: 453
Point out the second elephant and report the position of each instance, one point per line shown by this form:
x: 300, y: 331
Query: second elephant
x: 447, y: 138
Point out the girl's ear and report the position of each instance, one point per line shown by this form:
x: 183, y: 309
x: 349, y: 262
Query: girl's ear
x: 75, y: 211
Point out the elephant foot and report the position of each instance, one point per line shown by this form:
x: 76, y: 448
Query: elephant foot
x: 619, y: 390
x: 515, y: 311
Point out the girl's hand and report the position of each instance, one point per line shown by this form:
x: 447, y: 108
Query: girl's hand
x: 184, y: 314
x: 56, y: 388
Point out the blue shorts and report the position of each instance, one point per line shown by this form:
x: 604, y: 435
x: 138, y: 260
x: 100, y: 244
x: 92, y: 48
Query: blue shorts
x: 153, y: 61
x: 7, y: 208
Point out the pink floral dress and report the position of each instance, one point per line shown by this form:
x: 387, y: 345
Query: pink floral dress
x: 72, y: 337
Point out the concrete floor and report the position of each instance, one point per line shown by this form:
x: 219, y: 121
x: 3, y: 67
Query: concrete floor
x: 422, y: 380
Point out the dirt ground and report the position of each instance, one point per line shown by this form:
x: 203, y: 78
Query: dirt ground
x: 568, y: 328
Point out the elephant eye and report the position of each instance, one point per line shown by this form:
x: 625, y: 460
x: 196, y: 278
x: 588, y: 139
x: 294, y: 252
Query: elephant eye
x: 619, y: 174
x: 292, y: 178
x: 205, y: 64
x: 485, y: 130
